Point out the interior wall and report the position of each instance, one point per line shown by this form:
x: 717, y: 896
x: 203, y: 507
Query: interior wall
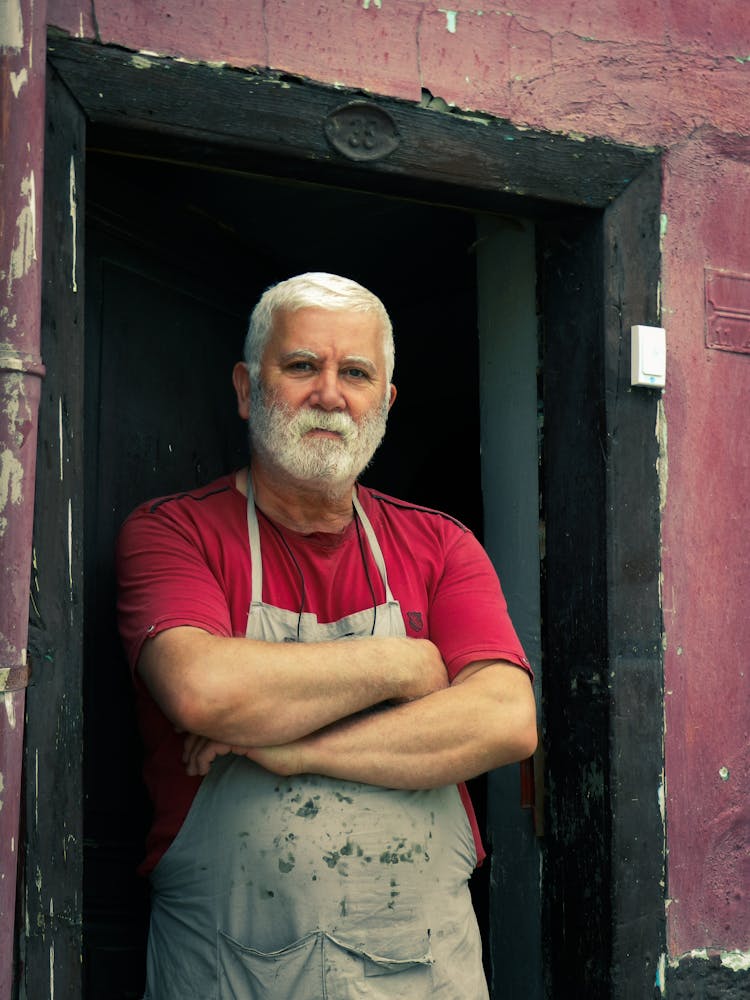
x: 510, y: 429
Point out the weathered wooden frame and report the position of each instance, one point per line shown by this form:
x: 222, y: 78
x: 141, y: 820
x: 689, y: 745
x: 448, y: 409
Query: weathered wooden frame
x: 597, y: 209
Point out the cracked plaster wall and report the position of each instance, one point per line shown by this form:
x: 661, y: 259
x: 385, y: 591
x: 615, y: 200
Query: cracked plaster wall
x: 673, y: 74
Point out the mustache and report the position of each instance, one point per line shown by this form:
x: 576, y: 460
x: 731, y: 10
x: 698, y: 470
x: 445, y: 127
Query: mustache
x: 338, y: 423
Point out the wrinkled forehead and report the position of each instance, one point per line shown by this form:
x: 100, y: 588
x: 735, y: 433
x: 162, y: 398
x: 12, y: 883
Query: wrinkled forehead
x: 318, y: 332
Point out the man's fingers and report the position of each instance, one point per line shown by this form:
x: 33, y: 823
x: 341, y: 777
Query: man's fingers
x: 202, y: 753
x: 191, y: 741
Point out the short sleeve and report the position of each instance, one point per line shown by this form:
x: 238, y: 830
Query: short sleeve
x: 164, y: 580
x: 469, y: 618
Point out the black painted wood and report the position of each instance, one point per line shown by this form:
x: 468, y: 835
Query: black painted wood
x: 577, y: 878
x: 635, y: 680
x: 50, y: 941
x: 234, y: 110
x: 706, y: 979
x: 603, y: 686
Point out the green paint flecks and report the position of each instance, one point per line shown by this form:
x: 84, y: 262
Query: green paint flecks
x: 451, y: 17
x: 286, y: 865
x: 309, y: 810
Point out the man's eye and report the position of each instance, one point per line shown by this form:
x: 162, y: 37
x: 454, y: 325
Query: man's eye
x: 300, y: 366
x: 356, y: 373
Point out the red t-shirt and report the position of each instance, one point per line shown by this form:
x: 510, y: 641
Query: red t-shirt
x: 185, y: 560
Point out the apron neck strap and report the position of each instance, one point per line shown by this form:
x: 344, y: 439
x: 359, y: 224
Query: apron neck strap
x: 253, y: 535
x: 377, y: 552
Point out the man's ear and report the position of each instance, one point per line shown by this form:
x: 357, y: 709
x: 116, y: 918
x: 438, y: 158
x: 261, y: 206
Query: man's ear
x: 392, y: 397
x: 241, y: 383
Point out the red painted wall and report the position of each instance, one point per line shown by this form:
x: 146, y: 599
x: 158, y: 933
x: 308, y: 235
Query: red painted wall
x: 668, y: 73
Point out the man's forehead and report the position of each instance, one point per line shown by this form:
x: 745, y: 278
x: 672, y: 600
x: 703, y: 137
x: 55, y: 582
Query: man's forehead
x: 319, y: 315
x: 316, y: 331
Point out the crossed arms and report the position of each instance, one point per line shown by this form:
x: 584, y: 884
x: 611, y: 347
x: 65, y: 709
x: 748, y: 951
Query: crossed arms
x: 295, y: 708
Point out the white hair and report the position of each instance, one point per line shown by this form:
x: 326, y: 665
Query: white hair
x: 317, y: 290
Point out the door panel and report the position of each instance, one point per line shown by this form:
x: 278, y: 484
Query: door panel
x: 160, y: 418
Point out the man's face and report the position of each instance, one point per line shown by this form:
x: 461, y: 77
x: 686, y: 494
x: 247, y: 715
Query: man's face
x: 320, y: 410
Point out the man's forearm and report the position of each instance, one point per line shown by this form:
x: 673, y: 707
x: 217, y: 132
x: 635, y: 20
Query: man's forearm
x: 446, y: 737
x: 243, y: 691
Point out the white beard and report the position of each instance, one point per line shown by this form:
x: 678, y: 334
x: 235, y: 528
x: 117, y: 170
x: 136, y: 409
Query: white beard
x: 277, y: 435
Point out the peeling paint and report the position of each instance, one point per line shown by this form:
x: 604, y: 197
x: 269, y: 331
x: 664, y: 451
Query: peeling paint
x: 10, y: 321
x: 11, y: 483
x: 12, y: 408
x: 74, y: 218
x: 451, y: 17
x: 660, y: 973
x: 10, y: 702
x: 376, y: 3
x: 663, y: 225
x: 662, y: 801
x: 60, y: 431
x: 662, y: 461
x: 11, y: 25
x: 23, y: 254
x: 70, y: 547
x: 140, y: 62
x: 737, y: 961
x: 17, y: 80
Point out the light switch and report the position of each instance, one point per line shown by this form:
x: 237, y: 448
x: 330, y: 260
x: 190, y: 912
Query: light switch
x: 648, y: 356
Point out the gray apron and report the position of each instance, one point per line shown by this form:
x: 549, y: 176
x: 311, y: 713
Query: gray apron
x: 309, y: 887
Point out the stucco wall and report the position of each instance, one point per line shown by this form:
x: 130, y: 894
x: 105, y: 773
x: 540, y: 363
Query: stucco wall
x: 673, y: 74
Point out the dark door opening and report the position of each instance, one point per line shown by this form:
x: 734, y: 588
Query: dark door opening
x: 596, y: 206
x: 176, y: 257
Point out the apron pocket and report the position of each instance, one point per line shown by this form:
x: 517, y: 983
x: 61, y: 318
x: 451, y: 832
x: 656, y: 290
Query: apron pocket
x: 411, y: 951
x: 293, y: 972
x: 352, y: 973
x: 317, y: 967
x: 377, y: 966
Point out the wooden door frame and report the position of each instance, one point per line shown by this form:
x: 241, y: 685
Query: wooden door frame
x: 596, y: 207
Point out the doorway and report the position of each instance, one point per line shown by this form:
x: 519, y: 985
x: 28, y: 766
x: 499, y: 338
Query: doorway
x: 177, y: 254
x: 593, y: 236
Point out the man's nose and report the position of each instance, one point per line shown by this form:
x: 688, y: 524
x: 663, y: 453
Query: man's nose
x: 326, y: 392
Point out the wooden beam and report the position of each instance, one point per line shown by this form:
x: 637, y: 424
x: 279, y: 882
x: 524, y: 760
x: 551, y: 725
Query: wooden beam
x: 239, y: 111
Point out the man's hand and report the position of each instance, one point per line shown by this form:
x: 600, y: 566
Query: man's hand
x: 430, y: 675
x: 199, y: 753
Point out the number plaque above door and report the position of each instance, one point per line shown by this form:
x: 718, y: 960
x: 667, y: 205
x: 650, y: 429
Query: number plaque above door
x: 361, y: 131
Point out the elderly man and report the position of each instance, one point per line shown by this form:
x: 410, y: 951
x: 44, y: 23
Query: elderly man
x: 341, y: 662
